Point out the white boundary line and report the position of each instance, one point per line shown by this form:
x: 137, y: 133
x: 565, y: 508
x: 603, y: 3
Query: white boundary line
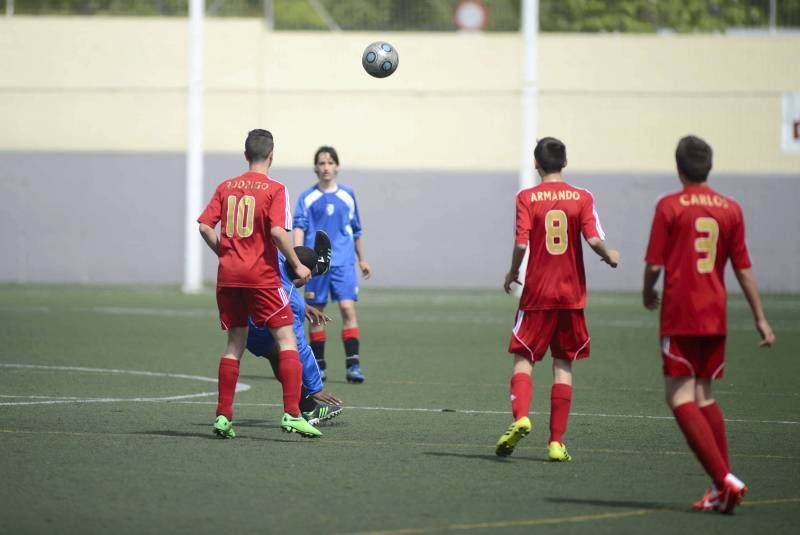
x: 243, y: 387
x: 475, y: 411
x: 57, y: 400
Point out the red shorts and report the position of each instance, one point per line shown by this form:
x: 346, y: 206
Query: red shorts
x: 563, y: 331
x: 267, y: 306
x: 693, y: 356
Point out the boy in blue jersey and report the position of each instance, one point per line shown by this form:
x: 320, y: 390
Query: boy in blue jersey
x: 316, y: 405
x: 332, y: 207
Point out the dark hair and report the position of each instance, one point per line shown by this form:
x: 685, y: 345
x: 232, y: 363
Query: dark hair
x: 693, y: 158
x: 307, y: 257
x: 329, y: 150
x: 550, y: 154
x: 258, y: 145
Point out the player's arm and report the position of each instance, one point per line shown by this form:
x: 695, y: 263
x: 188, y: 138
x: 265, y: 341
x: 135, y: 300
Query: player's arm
x: 210, y: 237
x: 315, y: 316
x: 609, y: 256
x: 655, y: 256
x: 649, y: 292
x: 516, y: 262
x: 282, y: 240
x: 300, y: 222
x: 747, y: 281
x: 593, y: 233
x: 366, y: 270
x: 299, y: 236
x: 323, y: 396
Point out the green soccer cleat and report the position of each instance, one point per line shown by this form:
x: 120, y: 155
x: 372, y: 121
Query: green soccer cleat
x: 223, y: 427
x: 517, y: 430
x: 298, y: 424
x: 321, y: 413
x: 556, y: 451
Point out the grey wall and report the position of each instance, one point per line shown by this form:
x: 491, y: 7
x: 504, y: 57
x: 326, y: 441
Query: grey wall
x: 105, y: 218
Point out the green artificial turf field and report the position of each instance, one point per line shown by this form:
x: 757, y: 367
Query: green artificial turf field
x: 89, y: 450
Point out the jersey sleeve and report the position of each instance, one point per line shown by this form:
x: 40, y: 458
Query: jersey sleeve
x: 355, y: 221
x: 523, y: 225
x: 740, y: 257
x: 300, y: 214
x: 278, y: 213
x: 590, y: 221
x: 659, y: 232
x: 213, y: 212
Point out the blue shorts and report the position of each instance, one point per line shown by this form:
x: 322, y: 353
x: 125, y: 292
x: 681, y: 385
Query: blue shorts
x: 341, y: 282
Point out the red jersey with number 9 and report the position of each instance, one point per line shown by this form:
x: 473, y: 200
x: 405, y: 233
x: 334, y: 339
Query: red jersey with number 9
x: 551, y: 218
x: 694, y: 233
x: 248, y: 207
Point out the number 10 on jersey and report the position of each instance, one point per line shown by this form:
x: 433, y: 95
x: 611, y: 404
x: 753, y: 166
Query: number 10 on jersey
x: 239, y: 219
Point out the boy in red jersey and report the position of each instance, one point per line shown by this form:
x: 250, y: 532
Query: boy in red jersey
x: 255, y: 217
x: 551, y: 217
x: 694, y: 233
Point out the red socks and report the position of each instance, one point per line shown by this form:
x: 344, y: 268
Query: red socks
x: 290, y: 374
x: 521, y: 394
x: 317, y: 336
x: 560, y: 400
x: 715, y: 419
x: 701, y: 439
x: 228, y: 375
x: 352, y: 332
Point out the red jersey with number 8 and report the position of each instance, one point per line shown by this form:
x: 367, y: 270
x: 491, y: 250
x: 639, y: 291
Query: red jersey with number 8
x: 248, y: 207
x: 694, y: 233
x: 550, y: 219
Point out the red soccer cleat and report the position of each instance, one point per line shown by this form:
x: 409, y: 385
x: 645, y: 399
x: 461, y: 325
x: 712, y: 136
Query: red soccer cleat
x: 731, y: 495
x: 709, y: 501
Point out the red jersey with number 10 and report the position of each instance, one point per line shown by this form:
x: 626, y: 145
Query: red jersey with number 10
x: 694, y: 233
x: 248, y: 206
x: 551, y: 218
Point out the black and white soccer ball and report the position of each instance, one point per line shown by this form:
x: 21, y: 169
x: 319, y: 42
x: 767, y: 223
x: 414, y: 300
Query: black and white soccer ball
x: 380, y: 59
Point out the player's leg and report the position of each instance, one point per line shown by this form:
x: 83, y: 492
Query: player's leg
x: 529, y: 340
x: 560, y: 403
x: 271, y: 308
x: 521, y: 393
x: 316, y: 293
x: 232, y: 305
x: 712, y: 369
x: 726, y: 498
x: 344, y: 289
x: 713, y: 415
x: 314, y: 410
x: 570, y: 342
x: 290, y: 374
x: 350, y: 339
x: 683, y: 357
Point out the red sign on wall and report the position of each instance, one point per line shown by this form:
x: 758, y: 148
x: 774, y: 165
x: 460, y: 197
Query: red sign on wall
x: 797, y: 130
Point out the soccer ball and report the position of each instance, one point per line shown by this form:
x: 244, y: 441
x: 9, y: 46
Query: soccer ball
x: 380, y: 59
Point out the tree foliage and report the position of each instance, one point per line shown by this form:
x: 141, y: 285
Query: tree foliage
x: 437, y: 15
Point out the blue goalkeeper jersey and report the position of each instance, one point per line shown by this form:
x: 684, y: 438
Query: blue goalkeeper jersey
x: 336, y: 213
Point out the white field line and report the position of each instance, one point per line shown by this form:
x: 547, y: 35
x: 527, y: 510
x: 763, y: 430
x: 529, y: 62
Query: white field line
x: 242, y: 387
x: 476, y: 411
x: 473, y: 318
x: 55, y: 400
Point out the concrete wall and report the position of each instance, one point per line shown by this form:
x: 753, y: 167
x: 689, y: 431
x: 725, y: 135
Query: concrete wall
x: 618, y: 101
x: 92, y: 127
x: 117, y: 218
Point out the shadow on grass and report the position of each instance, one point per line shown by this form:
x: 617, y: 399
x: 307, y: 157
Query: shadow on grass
x: 484, y: 456
x: 628, y: 504
x: 207, y: 436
